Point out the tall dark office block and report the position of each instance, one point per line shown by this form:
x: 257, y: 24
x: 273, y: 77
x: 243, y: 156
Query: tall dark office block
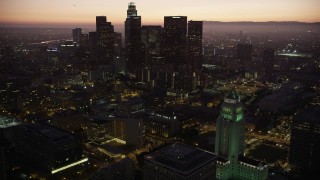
x: 93, y: 43
x: 268, y: 61
x: 195, y: 29
x: 76, y: 34
x: 105, y: 40
x: 151, y: 38
x: 244, y: 52
x: 117, y: 43
x: 133, y: 43
x: 305, y: 140
x: 119, y: 60
x: 84, y: 41
x: 174, y: 40
x: 100, y: 20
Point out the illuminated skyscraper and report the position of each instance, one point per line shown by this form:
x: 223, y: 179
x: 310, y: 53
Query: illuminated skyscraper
x: 105, y: 40
x: 230, y: 141
x: 230, y: 134
x: 133, y: 43
x: 195, y: 44
x: 132, y: 11
x: 175, y: 39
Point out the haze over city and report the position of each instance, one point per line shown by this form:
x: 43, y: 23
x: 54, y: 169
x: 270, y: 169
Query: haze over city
x: 159, y: 90
x: 82, y: 12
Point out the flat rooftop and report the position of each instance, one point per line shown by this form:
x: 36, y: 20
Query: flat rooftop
x: 250, y: 161
x: 181, y: 158
x: 310, y: 115
x: 6, y: 122
x: 51, y: 134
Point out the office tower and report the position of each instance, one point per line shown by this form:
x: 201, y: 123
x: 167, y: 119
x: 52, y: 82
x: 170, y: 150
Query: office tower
x: 195, y: 44
x: 93, y: 44
x: 48, y: 149
x: 144, y: 75
x: 131, y: 11
x: 161, y: 127
x: 126, y: 130
x: 76, y: 34
x: 117, y: 44
x: 67, y: 50
x: 100, y: 20
x: 230, y: 141
x: 131, y: 107
x: 183, y: 81
x: 84, y: 41
x: 179, y: 162
x: 133, y: 43
x: 129, y: 130
x: 304, y: 143
x: 151, y: 38
x: 119, y: 60
x: 105, y: 40
x: 122, y: 170
x: 268, y: 61
x: 174, y: 40
x: 244, y: 52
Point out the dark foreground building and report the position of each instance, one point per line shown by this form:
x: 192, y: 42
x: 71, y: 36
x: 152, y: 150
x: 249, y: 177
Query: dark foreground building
x: 47, y: 149
x: 180, y: 162
x: 122, y: 170
x: 305, y: 140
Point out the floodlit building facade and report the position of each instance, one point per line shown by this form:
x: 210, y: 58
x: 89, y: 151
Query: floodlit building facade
x: 230, y: 141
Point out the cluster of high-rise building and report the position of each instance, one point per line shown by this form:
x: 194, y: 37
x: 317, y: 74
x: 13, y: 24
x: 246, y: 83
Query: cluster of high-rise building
x: 145, y: 104
x: 177, y: 44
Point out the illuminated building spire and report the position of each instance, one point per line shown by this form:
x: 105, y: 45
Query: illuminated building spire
x: 230, y: 134
x: 132, y: 11
x: 230, y: 141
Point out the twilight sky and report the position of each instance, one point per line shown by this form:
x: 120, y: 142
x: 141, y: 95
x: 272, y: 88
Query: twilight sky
x: 83, y: 12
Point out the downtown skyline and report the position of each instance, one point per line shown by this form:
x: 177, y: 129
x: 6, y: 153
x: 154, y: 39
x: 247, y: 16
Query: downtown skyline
x: 82, y: 12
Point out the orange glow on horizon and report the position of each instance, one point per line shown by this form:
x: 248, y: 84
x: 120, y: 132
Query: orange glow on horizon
x: 70, y: 12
